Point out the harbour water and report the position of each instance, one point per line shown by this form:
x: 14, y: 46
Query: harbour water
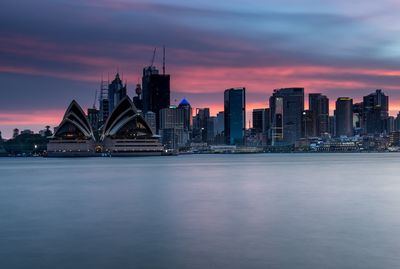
x: 201, y: 211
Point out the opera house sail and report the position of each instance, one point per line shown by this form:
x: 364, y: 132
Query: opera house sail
x: 74, y: 135
x: 125, y: 133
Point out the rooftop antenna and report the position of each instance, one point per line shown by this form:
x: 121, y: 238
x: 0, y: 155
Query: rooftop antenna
x: 153, y: 57
x: 163, y: 66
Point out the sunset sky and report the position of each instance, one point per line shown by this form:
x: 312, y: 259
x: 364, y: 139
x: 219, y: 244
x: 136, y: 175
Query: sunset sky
x: 53, y: 51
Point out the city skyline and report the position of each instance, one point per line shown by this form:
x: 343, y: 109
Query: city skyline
x: 209, y: 49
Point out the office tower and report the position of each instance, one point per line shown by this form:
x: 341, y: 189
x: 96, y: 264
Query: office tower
x: 389, y: 124
x: 332, y: 125
x: 286, y: 106
x: 116, y: 92
x: 397, y: 122
x: 188, y: 114
x: 93, y: 117
x: 261, y: 120
x: 137, y: 100
x: 151, y: 119
x: 319, y: 108
x: 200, y: 124
x: 344, y: 117
x: 219, y: 128
x: 376, y: 111
x: 156, y: 91
x: 104, y: 110
x: 172, y: 127
x: 308, y: 124
x: 235, y: 116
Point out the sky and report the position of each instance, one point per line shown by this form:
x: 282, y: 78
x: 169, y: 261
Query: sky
x: 53, y: 51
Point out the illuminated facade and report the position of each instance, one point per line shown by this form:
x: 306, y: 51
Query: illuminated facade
x: 125, y: 133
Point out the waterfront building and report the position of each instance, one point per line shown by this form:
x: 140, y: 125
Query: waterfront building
x: 394, y: 139
x: 344, y: 117
x: 126, y: 133
x: 375, y: 112
x: 235, y: 116
x: 172, y: 127
x: 156, y: 91
x: 261, y: 120
x: 287, y: 106
x: 74, y: 135
x: 319, y: 108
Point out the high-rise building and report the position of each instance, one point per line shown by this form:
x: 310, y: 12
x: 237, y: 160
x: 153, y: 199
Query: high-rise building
x: 319, y: 108
x: 397, y: 123
x: 156, y: 91
x: 376, y: 111
x: 172, y: 127
x: 235, y: 116
x: 332, y: 125
x: 261, y: 120
x: 344, y: 117
x: 308, y: 124
x: 188, y: 114
x: 287, y: 106
x: 200, y: 125
x: 116, y: 92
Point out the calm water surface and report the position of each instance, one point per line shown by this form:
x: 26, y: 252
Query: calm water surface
x: 201, y: 211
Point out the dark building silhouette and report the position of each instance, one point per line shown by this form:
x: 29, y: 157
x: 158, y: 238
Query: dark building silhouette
x: 156, y: 92
x: 116, y: 92
x: 235, y: 116
x: 358, y: 122
x: 261, y: 120
x: 188, y: 117
x: 319, y: 108
x: 200, y: 125
x: 344, y: 117
x: 308, y: 124
x: 287, y: 106
x: 137, y: 100
x: 376, y: 111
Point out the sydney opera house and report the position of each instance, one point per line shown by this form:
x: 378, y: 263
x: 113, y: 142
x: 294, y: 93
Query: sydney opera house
x: 125, y: 133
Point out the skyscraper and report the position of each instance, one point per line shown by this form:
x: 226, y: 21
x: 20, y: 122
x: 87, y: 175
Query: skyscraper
x: 344, y: 117
x: 156, y: 91
x: 200, y: 125
x: 235, y: 116
x: 376, y: 111
x: 188, y: 117
x: 172, y: 127
x: 261, y: 120
x: 286, y: 107
x: 116, y: 92
x: 319, y: 108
